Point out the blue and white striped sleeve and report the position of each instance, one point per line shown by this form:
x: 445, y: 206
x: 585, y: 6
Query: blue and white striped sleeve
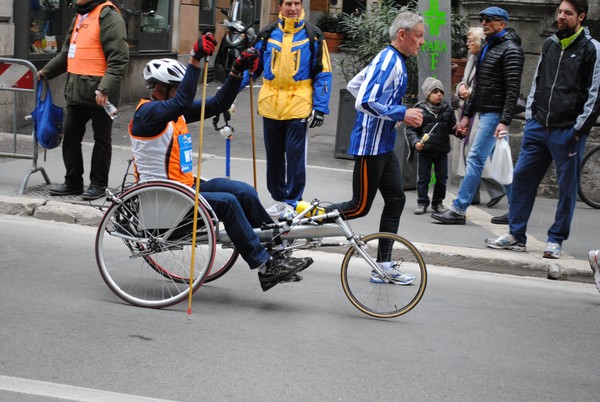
x: 376, y: 96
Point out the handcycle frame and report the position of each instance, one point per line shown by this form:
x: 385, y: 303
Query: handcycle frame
x: 162, y: 251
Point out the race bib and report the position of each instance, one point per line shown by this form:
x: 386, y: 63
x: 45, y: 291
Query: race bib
x: 185, y: 152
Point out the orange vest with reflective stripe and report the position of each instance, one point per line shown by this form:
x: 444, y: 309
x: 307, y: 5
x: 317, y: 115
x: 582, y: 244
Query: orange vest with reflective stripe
x: 158, y: 157
x: 89, y: 57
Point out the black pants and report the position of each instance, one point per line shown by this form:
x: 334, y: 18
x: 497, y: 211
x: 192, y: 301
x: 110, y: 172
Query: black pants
x: 75, y: 121
x: 372, y: 173
x: 440, y: 162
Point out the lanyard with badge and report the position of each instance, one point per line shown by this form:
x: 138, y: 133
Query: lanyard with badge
x: 73, y: 45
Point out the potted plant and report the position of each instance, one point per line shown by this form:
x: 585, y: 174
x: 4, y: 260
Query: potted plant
x: 458, y: 30
x: 367, y: 33
x: 330, y: 24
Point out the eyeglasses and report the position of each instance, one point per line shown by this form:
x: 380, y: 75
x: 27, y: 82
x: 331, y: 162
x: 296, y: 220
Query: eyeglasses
x: 487, y: 19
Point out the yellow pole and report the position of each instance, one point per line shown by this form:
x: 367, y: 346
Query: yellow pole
x: 252, y: 130
x: 197, y: 197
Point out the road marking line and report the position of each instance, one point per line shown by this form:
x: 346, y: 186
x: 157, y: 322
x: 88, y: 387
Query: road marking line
x: 63, y: 391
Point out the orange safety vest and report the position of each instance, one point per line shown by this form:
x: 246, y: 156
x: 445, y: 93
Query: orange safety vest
x: 159, y: 157
x: 89, y: 58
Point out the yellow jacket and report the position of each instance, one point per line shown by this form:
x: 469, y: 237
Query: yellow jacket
x: 292, y: 87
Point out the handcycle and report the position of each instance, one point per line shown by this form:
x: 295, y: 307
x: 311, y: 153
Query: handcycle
x: 589, y: 189
x: 143, y: 249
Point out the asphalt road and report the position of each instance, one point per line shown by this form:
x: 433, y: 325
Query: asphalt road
x: 474, y: 336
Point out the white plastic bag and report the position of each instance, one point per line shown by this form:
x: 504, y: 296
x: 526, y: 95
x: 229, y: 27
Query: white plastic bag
x: 501, y: 166
x: 486, y: 172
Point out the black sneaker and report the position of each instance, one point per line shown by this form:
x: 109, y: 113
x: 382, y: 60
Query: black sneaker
x: 64, y: 189
x: 93, y: 193
x: 500, y: 220
x: 294, y: 278
x: 494, y: 201
x: 279, y: 270
x: 449, y: 217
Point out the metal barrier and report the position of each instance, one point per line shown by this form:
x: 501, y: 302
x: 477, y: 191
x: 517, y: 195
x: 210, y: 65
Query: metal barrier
x: 18, y: 75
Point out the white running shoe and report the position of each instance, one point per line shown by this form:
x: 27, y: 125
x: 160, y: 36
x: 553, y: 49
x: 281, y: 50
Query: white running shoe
x: 593, y: 257
x: 277, y: 209
x: 553, y: 250
x: 506, y: 242
x: 392, y: 275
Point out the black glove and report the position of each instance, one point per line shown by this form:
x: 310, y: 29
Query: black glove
x: 316, y: 119
x: 248, y: 60
x: 204, y: 47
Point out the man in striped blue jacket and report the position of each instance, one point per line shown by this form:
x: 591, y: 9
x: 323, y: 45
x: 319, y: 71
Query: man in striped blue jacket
x: 379, y: 89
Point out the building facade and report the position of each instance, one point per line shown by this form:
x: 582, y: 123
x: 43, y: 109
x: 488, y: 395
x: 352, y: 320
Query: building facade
x: 34, y: 30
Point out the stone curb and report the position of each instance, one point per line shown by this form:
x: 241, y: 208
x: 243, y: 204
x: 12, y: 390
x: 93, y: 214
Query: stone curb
x: 506, y: 262
x: 50, y: 210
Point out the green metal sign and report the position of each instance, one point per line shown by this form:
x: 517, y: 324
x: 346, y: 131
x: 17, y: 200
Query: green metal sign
x: 434, y: 56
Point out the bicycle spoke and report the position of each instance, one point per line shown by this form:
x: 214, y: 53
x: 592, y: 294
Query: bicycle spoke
x: 144, y: 247
x: 383, y: 295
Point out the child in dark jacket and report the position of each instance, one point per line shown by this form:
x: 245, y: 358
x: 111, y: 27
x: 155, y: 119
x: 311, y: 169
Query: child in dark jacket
x: 432, y: 142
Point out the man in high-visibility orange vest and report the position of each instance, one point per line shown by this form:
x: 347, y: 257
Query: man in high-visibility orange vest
x: 95, y: 55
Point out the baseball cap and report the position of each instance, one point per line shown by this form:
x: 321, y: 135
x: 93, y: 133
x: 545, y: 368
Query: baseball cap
x: 495, y: 12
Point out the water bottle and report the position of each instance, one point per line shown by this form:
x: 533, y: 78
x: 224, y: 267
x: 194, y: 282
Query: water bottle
x: 111, y: 109
x: 303, y: 205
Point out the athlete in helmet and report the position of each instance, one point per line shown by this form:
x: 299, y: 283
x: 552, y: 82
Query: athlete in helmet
x: 160, y: 140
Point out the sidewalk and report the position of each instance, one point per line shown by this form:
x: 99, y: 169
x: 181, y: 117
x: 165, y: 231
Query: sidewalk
x: 329, y: 179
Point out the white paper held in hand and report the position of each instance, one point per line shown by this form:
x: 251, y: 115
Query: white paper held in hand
x: 426, y: 135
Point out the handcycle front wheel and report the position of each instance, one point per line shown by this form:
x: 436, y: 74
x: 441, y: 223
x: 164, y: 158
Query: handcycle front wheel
x: 383, y: 300
x: 144, y: 244
x: 589, y: 186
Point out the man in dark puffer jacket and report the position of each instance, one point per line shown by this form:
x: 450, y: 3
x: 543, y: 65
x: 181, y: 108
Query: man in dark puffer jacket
x: 494, y: 97
x: 562, y: 106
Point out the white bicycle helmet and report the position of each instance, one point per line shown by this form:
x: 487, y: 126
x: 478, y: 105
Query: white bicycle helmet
x: 164, y: 71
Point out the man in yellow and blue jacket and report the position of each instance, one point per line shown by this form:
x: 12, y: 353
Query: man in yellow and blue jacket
x: 295, y: 94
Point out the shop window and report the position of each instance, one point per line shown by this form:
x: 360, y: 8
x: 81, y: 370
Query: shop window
x: 46, y: 27
x: 148, y: 24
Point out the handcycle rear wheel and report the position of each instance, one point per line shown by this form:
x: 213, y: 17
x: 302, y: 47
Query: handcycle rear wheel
x: 589, y: 185
x: 225, y: 257
x: 144, y: 244
x: 383, y: 300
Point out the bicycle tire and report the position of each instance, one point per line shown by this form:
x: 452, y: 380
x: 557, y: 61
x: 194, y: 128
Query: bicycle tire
x: 383, y: 300
x: 143, y: 244
x: 589, y: 186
